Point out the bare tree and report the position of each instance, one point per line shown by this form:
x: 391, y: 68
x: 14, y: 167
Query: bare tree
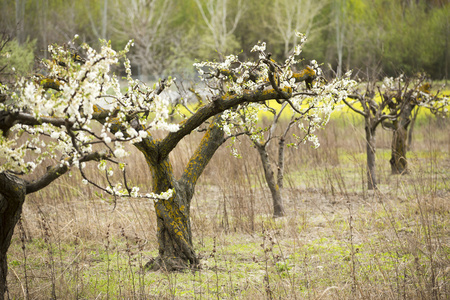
x: 295, y: 16
x: 99, y: 30
x: 147, y: 22
x: 219, y: 22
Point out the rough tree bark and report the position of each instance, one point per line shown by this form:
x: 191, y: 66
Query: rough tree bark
x: 399, y: 164
x: 272, y: 182
x: 399, y: 147
x: 13, y: 191
x: 370, y: 151
x: 12, y: 197
x: 173, y: 215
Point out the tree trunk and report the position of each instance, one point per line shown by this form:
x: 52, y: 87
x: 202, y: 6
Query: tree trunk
x: 370, y: 148
x: 278, y: 209
x: 398, y: 152
x: 399, y: 140
x: 12, y: 197
x: 20, y: 21
x: 173, y: 222
x: 176, y: 250
x: 411, y: 127
x: 280, y: 173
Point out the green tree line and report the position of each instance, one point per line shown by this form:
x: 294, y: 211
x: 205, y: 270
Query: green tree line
x: 372, y: 37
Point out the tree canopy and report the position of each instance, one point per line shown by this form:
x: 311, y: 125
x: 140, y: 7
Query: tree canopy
x: 381, y: 37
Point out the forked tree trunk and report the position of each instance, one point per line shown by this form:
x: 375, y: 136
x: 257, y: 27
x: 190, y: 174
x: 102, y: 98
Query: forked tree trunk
x: 278, y: 209
x: 12, y: 197
x: 399, y: 148
x: 370, y: 149
x: 173, y: 221
x: 176, y: 250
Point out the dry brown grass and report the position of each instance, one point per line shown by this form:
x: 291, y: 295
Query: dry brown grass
x: 338, y: 240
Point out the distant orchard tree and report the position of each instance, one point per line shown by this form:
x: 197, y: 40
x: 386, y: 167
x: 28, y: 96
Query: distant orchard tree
x: 393, y: 104
x: 301, y: 118
x: 374, y: 114
x: 56, y: 116
x: 404, y: 97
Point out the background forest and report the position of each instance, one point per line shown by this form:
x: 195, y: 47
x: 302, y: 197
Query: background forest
x: 372, y: 37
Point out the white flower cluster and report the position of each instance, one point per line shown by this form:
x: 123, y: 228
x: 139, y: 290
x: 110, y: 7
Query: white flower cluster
x: 64, y: 104
x: 163, y: 196
x: 313, y: 107
x: 391, y: 83
x: 119, y: 191
x: 316, y: 110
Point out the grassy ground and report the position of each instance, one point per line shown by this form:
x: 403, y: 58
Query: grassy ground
x: 338, y: 240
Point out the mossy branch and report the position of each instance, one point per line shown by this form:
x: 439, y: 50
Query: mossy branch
x: 218, y: 105
x: 211, y: 141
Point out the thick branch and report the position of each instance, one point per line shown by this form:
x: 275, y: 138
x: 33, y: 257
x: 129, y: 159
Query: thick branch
x: 57, y: 171
x: 9, y: 119
x: 218, y: 105
x: 210, y: 142
x: 384, y: 118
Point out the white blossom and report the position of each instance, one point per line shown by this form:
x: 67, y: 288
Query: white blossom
x: 134, y: 191
x: 120, y: 152
x: 163, y: 196
x: 143, y: 134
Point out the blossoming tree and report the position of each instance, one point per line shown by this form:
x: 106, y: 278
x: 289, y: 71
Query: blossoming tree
x: 56, y: 116
x: 311, y: 115
x: 405, y: 96
x: 391, y: 104
x: 46, y: 128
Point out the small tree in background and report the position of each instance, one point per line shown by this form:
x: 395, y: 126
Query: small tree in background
x: 148, y: 23
x: 404, y: 97
x: 302, y: 118
x: 374, y: 114
x: 221, y: 18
